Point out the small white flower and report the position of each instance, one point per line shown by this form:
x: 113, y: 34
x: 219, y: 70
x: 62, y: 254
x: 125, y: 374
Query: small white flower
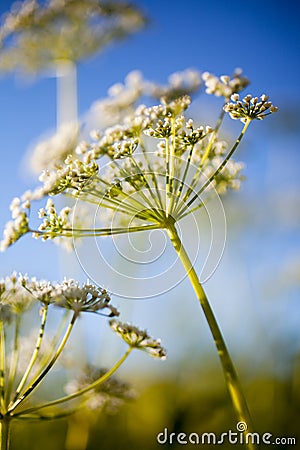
x: 139, y: 339
x: 224, y: 86
x: 250, y: 107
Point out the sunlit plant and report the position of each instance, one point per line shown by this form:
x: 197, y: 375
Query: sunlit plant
x: 22, y: 372
x: 159, y: 167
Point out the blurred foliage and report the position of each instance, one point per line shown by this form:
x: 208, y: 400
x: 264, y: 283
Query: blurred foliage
x: 183, y: 402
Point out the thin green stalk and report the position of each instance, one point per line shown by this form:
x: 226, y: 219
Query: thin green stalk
x: 135, y: 204
x: 215, y: 132
x: 73, y: 233
x: 140, y: 192
x: 14, y: 360
x: 153, y: 176
x: 172, y: 165
x: 203, y: 159
x: 154, y: 197
x: 182, y: 183
x: 168, y: 187
x: 136, y: 208
x: 231, y: 378
x: 46, y: 357
x: 80, y: 392
x: 40, y: 417
x: 2, y: 367
x: 112, y: 231
x: 219, y: 169
x: 114, y: 203
x: 51, y: 363
x: 194, y: 209
x: 34, y: 354
x: 128, y: 178
x: 4, y: 433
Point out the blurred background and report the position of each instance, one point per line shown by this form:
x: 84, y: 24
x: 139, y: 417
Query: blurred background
x: 255, y: 289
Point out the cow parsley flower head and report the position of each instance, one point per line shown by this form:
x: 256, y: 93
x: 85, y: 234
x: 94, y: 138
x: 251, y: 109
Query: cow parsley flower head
x: 121, y: 100
x: 16, y: 228
x: 47, y: 154
x: 68, y: 294
x: 250, y: 107
x: 182, y: 83
x: 139, y: 339
x: 73, y: 175
x: 14, y: 299
x: 108, y: 395
x: 225, y: 86
x: 86, y: 298
x: 146, y: 172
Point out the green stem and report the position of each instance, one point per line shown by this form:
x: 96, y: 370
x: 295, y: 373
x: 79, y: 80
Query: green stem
x: 182, y: 183
x: 4, y: 433
x: 2, y: 367
x: 46, y: 357
x: 219, y: 169
x: 82, y: 391
x: 168, y: 183
x: 14, y: 360
x: 153, y: 177
x: 172, y: 165
x: 231, y: 378
x: 51, y: 363
x: 34, y: 354
x: 203, y: 159
x: 140, y: 191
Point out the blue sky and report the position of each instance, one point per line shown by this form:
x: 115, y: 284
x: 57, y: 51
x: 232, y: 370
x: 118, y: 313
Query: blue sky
x: 261, y: 37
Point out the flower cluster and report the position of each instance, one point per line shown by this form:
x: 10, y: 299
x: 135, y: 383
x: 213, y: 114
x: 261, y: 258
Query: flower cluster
x: 157, y: 163
x: 53, y: 151
x: 224, y: 86
x: 229, y: 178
x: 17, y: 293
x: 86, y: 298
x: 13, y: 298
x: 182, y: 83
x: 123, y: 97
x: 53, y: 222
x: 119, y: 106
x: 38, y: 356
x: 121, y: 100
x: 73, y: 176
x: 250, y: 107
x: 108, y: 395
x: 137, y: 338
x: 17, y: 227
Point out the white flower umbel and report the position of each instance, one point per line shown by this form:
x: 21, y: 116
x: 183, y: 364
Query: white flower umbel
x: 250, y: 107
x: 137, y: 338
x: 53, y: 151
x: 225, y: 86
x: 17, y: 227
x: 86, y: 298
